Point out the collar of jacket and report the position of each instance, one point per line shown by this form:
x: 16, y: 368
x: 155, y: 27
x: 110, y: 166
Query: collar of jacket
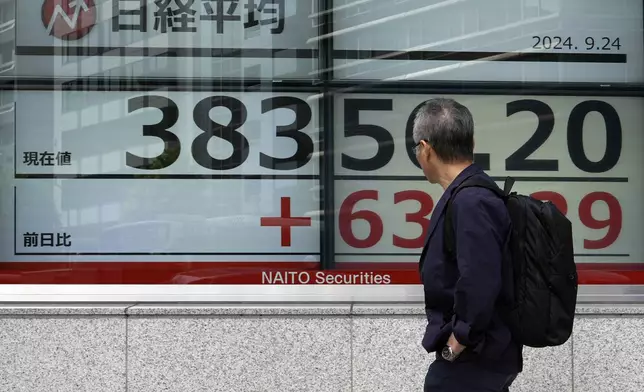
x: 440, y: 206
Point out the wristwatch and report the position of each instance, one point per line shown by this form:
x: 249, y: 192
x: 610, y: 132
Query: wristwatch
x: 448, y: 354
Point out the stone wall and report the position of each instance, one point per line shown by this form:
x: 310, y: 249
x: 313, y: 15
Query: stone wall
x: 352, y: 347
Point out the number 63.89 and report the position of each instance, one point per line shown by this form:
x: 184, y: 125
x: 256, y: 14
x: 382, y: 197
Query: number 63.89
x: 348, y: 214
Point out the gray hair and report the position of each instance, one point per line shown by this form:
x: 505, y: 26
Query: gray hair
x: 448, y: 127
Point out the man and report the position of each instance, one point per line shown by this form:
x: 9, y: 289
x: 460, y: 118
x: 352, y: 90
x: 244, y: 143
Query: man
x: 474, y: 347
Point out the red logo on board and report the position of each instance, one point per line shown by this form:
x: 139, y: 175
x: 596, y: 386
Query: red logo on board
x: 68, y: 20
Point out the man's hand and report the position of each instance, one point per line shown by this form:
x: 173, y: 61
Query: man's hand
x: 457, y: 348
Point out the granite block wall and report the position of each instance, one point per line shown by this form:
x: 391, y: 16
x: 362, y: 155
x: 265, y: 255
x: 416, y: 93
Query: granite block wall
x: 352, y: 347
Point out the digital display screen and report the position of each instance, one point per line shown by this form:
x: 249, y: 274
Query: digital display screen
x: 499, y: 40
x: 156, y: 176
x: 166, y: 39
x: 215, y: 141
x: 581, y: 153
x: 236, y: 176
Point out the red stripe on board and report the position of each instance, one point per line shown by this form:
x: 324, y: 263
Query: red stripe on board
x: 254, y: 272
x: 143, y: 272
x: 589, y: 273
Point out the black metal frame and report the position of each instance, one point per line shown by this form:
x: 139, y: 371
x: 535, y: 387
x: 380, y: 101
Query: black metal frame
x: 328, y: 88
x: 326, y: 111
x: 324, y: 85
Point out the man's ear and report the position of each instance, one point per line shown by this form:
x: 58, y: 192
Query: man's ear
x: 426, y: 147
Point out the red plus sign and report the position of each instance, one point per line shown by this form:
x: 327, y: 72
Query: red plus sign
x: 285, y: 221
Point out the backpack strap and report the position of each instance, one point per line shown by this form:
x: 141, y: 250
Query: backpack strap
x: 449, y: 238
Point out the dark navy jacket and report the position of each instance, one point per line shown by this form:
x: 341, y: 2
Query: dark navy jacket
x: 462, y: 296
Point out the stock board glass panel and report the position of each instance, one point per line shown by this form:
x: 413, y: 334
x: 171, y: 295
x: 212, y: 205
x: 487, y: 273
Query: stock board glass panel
x: 570, y: 150
x: 160, y: 177
x: 173, y: 182
x: 491, y: 40
x: 174, y: 39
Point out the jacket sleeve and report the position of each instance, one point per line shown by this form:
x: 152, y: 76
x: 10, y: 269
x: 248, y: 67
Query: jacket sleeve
x: 481, y: 224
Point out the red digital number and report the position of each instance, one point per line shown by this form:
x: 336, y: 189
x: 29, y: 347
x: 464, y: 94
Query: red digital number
x: 347, y: 216
x: 613, y: 222
x: 419, y: 217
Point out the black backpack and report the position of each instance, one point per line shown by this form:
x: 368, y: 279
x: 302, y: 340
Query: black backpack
x: 539, y: 292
